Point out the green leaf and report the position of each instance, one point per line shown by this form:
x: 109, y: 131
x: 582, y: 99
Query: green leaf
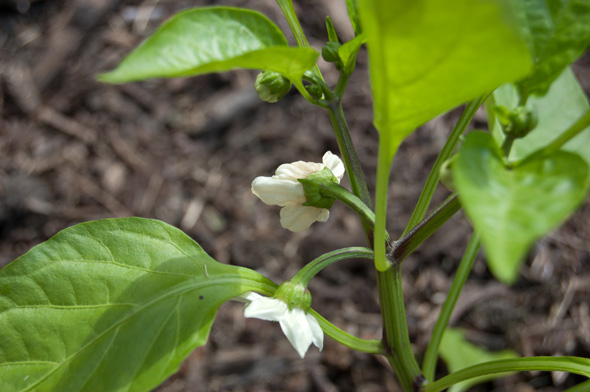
x: 557, y: 110
x: 332, y: 35
x: 512, y: 207
x: 110, y: 305
x: 215, y: 39
x: 352, y: 9
x: 458, y: 353
x: 429, y: 56
x: 348, y: 52
x: 558, y: 32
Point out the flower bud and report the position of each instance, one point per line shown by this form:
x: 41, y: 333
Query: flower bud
x: 271, y: 86
x: 330, y: 54
x: 518, y: 122
x: 315, y: 91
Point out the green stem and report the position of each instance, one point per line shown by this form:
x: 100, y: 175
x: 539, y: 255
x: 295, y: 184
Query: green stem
x: 446, y: 152
x: 338, y: 192
x: 507, y: 144
x: 358, y: 344
x: 575, y: 365
x: 291, y: 17
x: 391, y: 297
x: 307, y: 273
x: 351, y: 161
x: 383, y: 168
x: 352, y: 165
x: 431, y: 355
x: 581, y: 124
x: 397, y: 338
x: 341, y: 84
x: 403, y: 247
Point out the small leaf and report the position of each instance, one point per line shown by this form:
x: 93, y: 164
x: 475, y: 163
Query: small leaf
x: 110, y: 305
x: 332, y: 35
x: 557, y: 34
x: 458, y: 353
x: 429, y: 56
x: 214, y: 39
x: 348, y: 52
x: 557, y: 110
x: 352, y: 9
x: 514, y: 207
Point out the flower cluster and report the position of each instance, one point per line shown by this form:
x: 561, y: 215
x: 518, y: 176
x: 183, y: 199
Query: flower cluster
x: 284, y: 189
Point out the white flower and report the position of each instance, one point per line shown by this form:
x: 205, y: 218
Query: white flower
x: 284, y: 190
x: 300, y: 328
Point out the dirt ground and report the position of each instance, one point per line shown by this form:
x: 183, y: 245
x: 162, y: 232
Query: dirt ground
x: 186, y: 150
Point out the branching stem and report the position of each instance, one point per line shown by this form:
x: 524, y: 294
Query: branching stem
x: 403, y: 247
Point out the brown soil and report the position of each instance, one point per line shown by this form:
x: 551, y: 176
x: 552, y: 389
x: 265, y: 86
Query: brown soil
x: 185, y: 151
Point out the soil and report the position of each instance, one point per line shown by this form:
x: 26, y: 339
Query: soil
x: 186, y: 150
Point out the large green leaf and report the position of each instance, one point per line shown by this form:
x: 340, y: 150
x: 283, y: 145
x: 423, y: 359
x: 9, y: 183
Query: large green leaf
x: 428, y: 56
x: 458, y: 353
x: 563, y: 104
x: 512, y: 207
x: 215, y: 39
x: 558, y: 32
x: 111, y: 305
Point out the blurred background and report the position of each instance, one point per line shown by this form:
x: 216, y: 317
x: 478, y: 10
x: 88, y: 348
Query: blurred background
x: 186, y: 150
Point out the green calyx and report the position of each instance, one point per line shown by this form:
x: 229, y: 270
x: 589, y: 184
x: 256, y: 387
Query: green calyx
x: 518, y: 122
x: 271, y: 86
x: 312, y: 187
x: 295, y: 295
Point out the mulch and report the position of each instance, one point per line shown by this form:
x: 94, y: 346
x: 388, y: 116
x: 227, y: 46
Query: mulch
x: 186, y: 150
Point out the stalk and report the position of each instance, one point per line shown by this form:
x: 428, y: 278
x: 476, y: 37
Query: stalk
x: 431, y: 355
x: 446, y: 152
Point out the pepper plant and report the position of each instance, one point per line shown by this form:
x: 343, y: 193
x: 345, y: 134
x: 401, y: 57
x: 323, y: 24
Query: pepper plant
x: 117, y: 304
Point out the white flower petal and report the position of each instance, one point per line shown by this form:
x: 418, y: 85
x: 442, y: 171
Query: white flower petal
x: 323, y: 215
x: 335, y: 164
x: 298, y: 218
x: 299, y: 169
x: 265, y: 308
x: 247, y: 297
x: 296, y: 328
x: 316, y: 331
x: 278, y: 192
x: 300, y: 329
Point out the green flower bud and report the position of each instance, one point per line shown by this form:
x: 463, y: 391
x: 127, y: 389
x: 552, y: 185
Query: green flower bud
x: 296, y: 296
x: 518, y: 122
x: 330, y: 54
x: 315, y: 91
x: 271, y: 86
x: 523, y: 120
